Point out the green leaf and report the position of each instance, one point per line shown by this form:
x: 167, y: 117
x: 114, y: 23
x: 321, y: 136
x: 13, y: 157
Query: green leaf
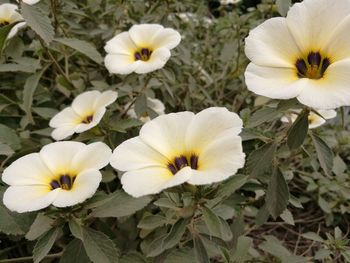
x: 38, y: 21
x: 277, y: 194
x: 99, y: 247
x: 127, y: 205
x: 74, y: 253
x: 273, y: 246
x: 217, y: 227
x: 322, y: 254
x: 228, y: 187
x: 261, y: 116
x: 313, y: 236
x: 6, y: 150
x: 287, y: 217
x: 151, y: 222
x: 183, y: 255
x: 241, y: 251
x: 141, y: 105
x: 9, y: 137
x: 22, y: 64
x: 262, y: 216
x: 44, y: 244
x: 200, y: 252
x: 28, y: 93
x: 41, y: 225
x: 4, y: 31
x: 260, y: 161
x: 76, y: 228
x: 283, y: 6
x: 324, y: 154
x: 298, y: 131
x: 83, y: 47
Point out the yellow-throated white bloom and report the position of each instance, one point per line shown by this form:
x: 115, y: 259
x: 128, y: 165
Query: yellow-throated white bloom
x: 9, y: 15
x: 171, y: 149
x: 30, y: 2
x: 154, y: 104
x: 314, y: 119
x: 62, y: 174
x: 305, y: 55
x: 144, y: 48
x: 85, y: 112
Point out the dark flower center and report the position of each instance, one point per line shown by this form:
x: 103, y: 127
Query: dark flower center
x: 144, y: 54
x: 182, y: 161
x: 88, y: 119
x: 64, y: 182
x: 313, y: 67
x: 4, y: 23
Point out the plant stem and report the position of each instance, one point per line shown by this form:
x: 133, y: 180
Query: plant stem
x: 56, y: 255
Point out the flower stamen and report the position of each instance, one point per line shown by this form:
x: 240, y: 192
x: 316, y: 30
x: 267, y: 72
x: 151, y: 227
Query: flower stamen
x: 313, y: 67
x: 88, y: 119
x: 181, y: 162
x: 144, y: 54
x: 64, y: 182
x: 4, y: 23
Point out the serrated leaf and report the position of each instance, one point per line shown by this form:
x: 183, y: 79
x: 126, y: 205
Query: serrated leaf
x: 261, y: 116
x: 127, y: 205
x: 99, y: 247
x: 76, y: 228
x: 200, y: 252
x: 74, y: 253
x: 283, y: 6
x: 183, y: 255
x: 6, y: 150
x: 44, y: 244
x: 228, y: 187
x: 4, y: 32
x: 243, y: 245
x: 313, y: 236
x: 141, y: 105
x: 217, y: 227
x: 273, y: 246
x: 277, y: 194
x: 151, y: 222
x: 38, y: 21
x: 260, y: 160
x: 298, y: 131
x: 9, y: 137
x: 41, y: 224
x: 28, y: 93
x: 287, y: 217
x: 324, y: 154
x: 83, y: 47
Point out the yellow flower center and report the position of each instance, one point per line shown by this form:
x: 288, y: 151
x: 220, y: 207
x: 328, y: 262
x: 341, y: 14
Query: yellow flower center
x: 88, y: 119
x: 313, y: 66
x: 143, y: 54
x: 4, y: 23
x: 64, y: 182
x: 183, y: 161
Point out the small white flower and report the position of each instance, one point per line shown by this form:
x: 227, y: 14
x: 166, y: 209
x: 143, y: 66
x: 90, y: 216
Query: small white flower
x: 62, y: 174
x: 228, y: 2
x: 85, y: 113
x: 305, y: 55
x: 154, y: 104
x: 30, y: 2
x: 171, y: 149
x: 314, y: 119
x: 9, y: 15
x: 144, y: 48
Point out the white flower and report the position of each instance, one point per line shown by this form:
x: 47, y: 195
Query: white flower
x: 171, y: 149
x: 229, y: 2
x: 86, y: 112
x: 9, y: 15
x: 144, y: 48
x: 154, y: 104
x: 62, y: 174
x: 30, y: 2
x: 314, y: 119
x: 305, y: 55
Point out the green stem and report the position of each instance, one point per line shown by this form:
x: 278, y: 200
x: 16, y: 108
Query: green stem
x: 56, y: 255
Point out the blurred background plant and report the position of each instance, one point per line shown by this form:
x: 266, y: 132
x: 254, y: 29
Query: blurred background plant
x: 289, y: 204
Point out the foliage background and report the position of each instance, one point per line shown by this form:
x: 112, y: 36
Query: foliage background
x: 289, y: 204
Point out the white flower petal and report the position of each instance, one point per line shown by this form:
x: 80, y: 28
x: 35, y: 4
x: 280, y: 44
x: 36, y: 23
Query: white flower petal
x: 65, y: 117
x: 312, y: 22
x: 166, y: 38
x: 330, y: 92
x: 271, y: 44
x: 157, y: 60
x: 276, y: 83
x: 134, y: 154
x: 120, y: 64
x: 93, y: 156
x: 7, y: 10
x: 121, y: 44
x: 29, y: 198
x: 106, y: 98
x: 15, y: 29
x: 152, y: 180
x: 144, y: 34
x: 166, y: 133
x: 58, y: 156
x: 221, y: 159
x: 211, y: 124
x: 84, y: 187
x: 328, y: 114
x: 156, y: 105
x: 83, y: 104
x: 63, y: 132
x: 27, y: 170
x: 97, y: 116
